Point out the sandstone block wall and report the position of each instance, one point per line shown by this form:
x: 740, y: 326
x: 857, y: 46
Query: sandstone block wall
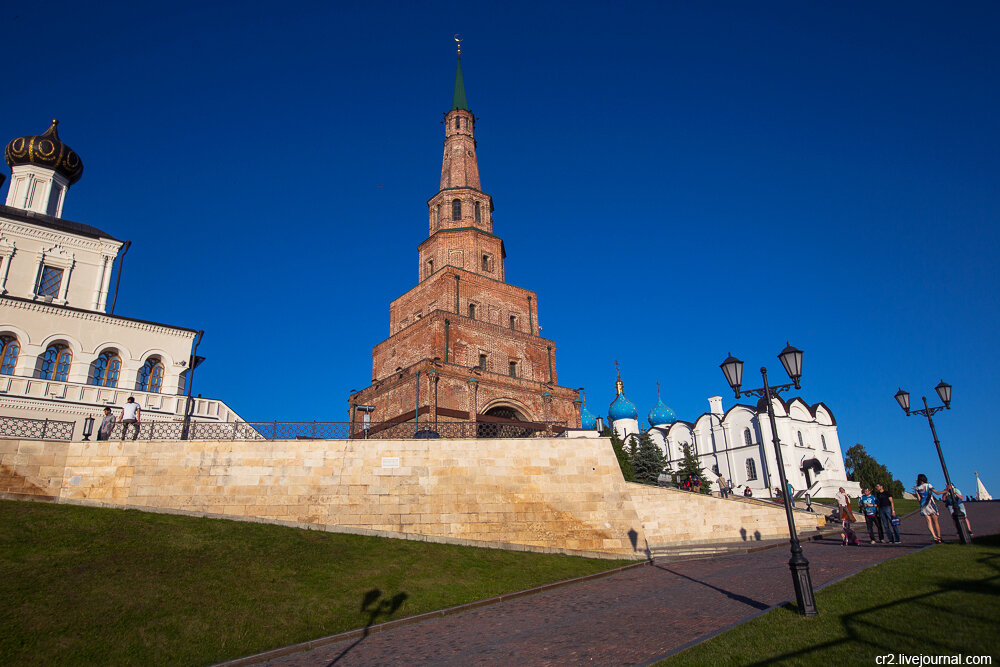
x: 559, y: 495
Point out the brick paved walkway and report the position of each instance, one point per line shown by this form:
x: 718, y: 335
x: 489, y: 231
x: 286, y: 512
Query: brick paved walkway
x: 625, y: 619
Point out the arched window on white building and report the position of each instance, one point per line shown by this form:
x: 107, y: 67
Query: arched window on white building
x: 9, y: 349
x: 55, y: 363
x: 151, y: 375
x: 747, y: 436
x: 106, y: 369
x: 822, y: 440
x: 751, y: 469
x: 801, y: 443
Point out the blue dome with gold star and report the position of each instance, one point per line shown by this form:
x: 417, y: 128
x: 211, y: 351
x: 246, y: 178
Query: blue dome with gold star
x: 587, y: 420
x: 661, y: 415
x: 622, y: 408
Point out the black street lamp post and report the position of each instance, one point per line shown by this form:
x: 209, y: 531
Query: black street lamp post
x: 944, y: 393
x: 791, y: 359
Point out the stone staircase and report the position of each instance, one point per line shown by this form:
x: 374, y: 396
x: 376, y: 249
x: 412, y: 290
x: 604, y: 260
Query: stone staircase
x: 679, y: 552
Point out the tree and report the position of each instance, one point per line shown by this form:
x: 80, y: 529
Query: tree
x: 648, y: 461
x: 689, y: 467
x: 863, y: 468
x: 623, y: 458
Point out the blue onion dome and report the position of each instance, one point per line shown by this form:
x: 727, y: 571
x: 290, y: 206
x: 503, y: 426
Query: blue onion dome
x: 45, y: 150
x: 587, y: 420
x: 661, y: 415
x: 622, y: 408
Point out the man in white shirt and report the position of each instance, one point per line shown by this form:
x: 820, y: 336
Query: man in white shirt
x: 130, y: 417
x: 844, y: 505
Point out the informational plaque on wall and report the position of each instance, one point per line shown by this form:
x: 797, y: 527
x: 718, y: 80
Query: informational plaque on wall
x: 390, y: 461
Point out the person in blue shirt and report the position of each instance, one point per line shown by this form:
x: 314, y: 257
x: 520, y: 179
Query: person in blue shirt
x: 869, y: 506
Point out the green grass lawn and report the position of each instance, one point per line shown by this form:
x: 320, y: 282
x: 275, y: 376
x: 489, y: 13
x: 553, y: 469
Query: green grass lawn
x: 939, y: 601
x: 82, y: 585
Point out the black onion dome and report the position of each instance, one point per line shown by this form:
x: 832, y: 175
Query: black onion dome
x: 45, y: 150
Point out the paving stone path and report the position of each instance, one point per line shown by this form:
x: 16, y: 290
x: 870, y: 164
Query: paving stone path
x: 629, y: 618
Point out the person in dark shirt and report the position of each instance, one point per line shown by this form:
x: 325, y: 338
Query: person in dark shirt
x: 886, y: 511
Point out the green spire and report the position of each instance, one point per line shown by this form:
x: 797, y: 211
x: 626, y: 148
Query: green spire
x: 458, y: 101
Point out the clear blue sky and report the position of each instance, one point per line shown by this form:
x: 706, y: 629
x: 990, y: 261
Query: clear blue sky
x: 677, y: 181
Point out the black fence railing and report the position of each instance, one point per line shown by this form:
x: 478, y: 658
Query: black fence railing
x: 332, y: 430
x: 35, y: 429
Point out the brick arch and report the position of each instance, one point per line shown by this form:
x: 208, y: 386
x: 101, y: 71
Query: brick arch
x: 499, y: 403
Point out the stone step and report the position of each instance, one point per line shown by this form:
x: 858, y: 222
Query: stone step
x: 668, y: 552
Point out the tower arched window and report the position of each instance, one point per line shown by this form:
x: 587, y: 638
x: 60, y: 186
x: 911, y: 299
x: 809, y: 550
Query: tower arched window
x: 151, y: 375
x: 9, y: 349
x: 801, y: 443
x: 822, y: 440
x: 479, y: 213
x: 458, y: 123
x: 747, y: 436
x: 472, y: 310
x: 751, y: 469
x: 456, y: 209
x: 107, y: 369
x: 56, y: 362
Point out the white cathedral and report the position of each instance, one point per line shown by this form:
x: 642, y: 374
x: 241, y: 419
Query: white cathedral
x: 737, y: 443
x: 63, y: 357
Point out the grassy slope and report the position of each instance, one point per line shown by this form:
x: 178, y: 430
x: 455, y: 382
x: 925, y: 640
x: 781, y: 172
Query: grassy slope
x: 98, y: 586
x: 939, y: 601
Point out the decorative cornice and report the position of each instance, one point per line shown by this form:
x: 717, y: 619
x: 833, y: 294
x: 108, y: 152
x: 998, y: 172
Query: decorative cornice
x: 44, y: 235
x: 94, y: 316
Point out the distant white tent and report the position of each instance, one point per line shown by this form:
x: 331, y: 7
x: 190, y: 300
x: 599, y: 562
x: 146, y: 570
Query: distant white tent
x: 981, y: 492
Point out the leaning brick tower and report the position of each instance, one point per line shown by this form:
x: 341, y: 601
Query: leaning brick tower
x: 464, y: 344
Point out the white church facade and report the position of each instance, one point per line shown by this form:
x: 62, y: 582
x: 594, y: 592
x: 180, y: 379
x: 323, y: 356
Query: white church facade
x: 738, y: 444
x: 62, y: 355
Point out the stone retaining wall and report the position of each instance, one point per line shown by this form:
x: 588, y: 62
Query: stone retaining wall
x: 557, y: 495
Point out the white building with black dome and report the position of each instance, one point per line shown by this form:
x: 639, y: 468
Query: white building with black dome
x: 63, y: 356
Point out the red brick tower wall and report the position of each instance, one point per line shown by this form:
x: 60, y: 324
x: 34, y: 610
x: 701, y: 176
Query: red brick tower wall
x: 463, y: 341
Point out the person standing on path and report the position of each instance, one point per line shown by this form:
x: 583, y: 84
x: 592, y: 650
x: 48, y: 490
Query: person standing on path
x: 130, y: 417
x: 869, y: 507
x: 844, y: 505
x: 886, y: 512
x: 107, y: 425
x: 723, y: 487
x: 925, y: 493
x: 791, y: 493
x: 953, y: 500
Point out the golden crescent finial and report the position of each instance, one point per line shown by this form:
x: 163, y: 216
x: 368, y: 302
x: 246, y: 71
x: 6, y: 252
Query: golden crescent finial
x: 458, y: 39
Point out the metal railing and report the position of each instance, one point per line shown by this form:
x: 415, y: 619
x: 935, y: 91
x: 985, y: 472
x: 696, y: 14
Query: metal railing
x: 35, y: 429
x: 333, y: 430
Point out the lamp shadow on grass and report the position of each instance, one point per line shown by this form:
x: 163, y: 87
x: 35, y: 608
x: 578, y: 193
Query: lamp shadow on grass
x: 865, y: 627
x: 375, y: 607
